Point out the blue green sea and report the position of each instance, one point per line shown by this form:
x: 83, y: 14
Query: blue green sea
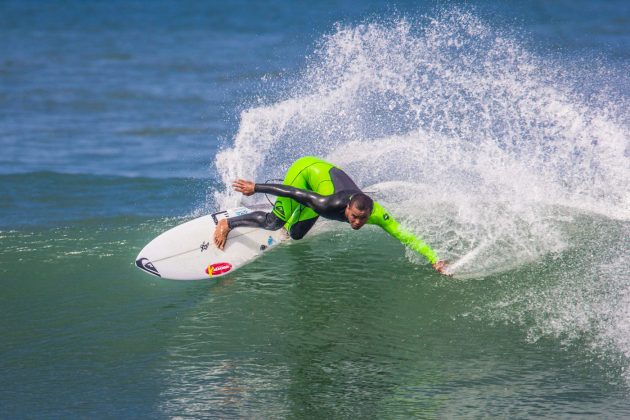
x: 497, y: 131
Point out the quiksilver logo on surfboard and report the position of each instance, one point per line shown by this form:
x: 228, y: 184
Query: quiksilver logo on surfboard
x: 147, y: 266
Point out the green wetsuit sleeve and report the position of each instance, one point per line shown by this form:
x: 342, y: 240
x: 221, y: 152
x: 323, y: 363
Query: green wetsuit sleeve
x: 382, y: 218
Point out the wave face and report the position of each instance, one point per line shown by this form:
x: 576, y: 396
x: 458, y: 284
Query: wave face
x: 474, y: 141
x: 500, y: 158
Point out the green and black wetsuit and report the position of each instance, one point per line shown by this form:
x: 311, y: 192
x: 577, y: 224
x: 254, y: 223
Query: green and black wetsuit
x: 313, y: 188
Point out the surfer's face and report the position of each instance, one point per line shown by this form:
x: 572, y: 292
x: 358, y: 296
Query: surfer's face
x: 356, y: 217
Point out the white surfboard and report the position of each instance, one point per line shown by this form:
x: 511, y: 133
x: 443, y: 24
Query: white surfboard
x: 188, y: 252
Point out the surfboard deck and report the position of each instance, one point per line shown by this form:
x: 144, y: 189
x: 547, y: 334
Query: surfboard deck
x: 188, y: 252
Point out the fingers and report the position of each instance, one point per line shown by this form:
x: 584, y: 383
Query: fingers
x: 238, y: 185
x: 220, y: 234
x: 243, y: 186
x: 440, y: 266
x: 219, y: 241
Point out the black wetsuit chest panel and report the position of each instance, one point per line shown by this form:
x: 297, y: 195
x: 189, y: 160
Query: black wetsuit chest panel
x: 342, y: 182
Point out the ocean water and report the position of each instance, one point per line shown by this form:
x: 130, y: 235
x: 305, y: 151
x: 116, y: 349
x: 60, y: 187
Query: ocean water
x: 497, y: 131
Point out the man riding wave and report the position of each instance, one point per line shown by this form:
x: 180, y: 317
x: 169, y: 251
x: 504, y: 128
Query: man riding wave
x: 313, y: 188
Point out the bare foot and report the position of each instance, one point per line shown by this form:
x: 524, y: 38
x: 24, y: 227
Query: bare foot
x: 221, y: 233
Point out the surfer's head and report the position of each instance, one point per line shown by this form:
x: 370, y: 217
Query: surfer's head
x: 358, y: 210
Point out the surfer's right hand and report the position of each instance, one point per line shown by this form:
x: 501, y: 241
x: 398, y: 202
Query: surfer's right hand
x: 440, y: 267
x: 244, y: 186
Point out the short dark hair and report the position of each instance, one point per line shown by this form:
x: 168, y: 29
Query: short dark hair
x: 361, y: 202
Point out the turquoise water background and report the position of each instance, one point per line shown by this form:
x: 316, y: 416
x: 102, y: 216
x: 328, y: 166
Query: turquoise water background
x: 497, y: 131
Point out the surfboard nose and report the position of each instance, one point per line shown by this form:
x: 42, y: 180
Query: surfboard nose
x: 146, y: 265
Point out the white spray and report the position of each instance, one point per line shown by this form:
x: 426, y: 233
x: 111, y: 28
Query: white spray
x: 484, y: 149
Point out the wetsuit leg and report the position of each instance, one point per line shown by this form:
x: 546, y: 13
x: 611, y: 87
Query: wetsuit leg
x: 301, y: 228
x: 307, y: 173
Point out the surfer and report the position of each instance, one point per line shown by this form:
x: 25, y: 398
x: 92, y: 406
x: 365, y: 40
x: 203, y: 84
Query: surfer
x: 313, y: 188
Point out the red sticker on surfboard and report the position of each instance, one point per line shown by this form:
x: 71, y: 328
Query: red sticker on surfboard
x: 218, y: 268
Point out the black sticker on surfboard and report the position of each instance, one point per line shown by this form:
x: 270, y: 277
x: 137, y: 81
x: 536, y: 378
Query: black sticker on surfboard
x: 147, y: 266
x: 215, y: 216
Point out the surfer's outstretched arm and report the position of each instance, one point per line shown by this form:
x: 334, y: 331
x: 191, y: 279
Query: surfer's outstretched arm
x: 382, y: 218
x: 311, y: 199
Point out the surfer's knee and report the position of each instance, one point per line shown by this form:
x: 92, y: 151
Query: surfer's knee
x: 301, y: 228
x: 273, y: 222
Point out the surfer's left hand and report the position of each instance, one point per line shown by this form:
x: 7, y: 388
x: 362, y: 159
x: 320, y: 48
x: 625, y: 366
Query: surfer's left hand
x: 440, y: 267
x: 221, y: 233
